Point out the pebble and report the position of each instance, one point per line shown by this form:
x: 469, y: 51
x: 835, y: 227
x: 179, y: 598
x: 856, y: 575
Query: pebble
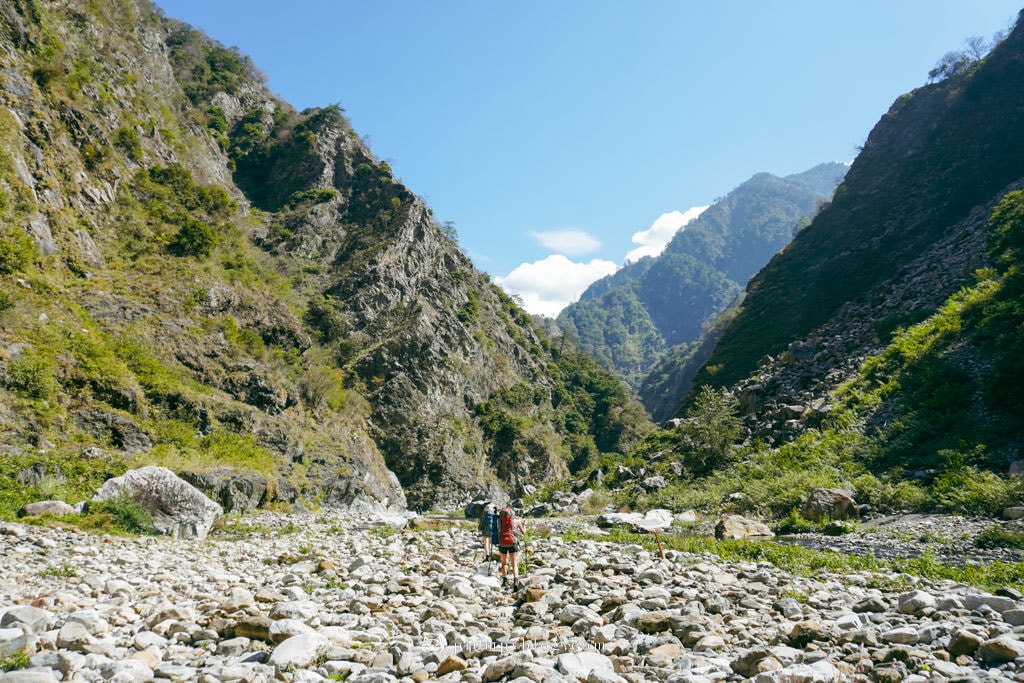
x: 340, y: 599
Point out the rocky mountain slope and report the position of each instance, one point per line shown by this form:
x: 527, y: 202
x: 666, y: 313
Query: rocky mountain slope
x: 195, y: 275
x: 879, y: 306
x: 631, y: 319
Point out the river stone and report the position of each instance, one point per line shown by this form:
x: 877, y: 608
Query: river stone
x: 1000, y: 650
x: 450, y: 664
x: 996, y: 602
x: 14, y: 641
x: 580, y: 664
x: 915, y: 602
x: 177, y: 507
x: 74, y: 636
x: 738, y: 528
x: 32, y: 619
x: 298, y: 651
x: 58, y: 508
x: 28, y: 676
x: 835, y: 505
x: 963, y: 642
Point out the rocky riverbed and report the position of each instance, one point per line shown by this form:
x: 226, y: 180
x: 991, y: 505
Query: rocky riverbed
x: 335, y: 597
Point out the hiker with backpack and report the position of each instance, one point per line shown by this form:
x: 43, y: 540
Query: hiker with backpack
x: 488, y: 528
x: 510, y: 530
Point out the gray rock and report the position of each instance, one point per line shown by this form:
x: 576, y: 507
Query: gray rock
x: 57, y: 508
x: 14, y: 641
x: 1000, y: 650
x: 32, y: 619
x: 737, y: 528
x: 1016, y: 512
x: 963, y: 642
x: 580, y: 665
x: 835, y: 505
x: 177, y: 507
x: 28, y: 676
x: 298, y: 651
x: 996, y: 602
x: 915, y: 602
x: 236, y: 492
x: 39, y: 227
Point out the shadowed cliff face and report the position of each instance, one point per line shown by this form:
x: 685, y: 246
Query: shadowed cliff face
x: 193, y: 274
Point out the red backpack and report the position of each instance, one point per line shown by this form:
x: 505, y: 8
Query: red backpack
x: 506, y: 527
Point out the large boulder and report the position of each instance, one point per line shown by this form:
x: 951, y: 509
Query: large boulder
x: 829, y: 503
x: 178, y: 508
x: 738, y: 527
x: 57, y: 508
x: 236, y: 491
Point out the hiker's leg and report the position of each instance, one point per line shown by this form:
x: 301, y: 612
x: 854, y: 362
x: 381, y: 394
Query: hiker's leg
x: 515, y: 564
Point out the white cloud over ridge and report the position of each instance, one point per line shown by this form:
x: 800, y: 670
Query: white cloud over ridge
x: 549, y: 285
x: 572, y: 242
x: 654, y: 240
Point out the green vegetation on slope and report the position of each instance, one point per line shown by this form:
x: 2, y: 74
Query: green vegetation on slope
x: 930, y: 424
x: 939, y: 151
x: 630, y: 320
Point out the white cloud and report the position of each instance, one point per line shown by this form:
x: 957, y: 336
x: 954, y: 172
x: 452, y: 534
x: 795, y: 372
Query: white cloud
x: 549, y: 285
x: 571, y: 242
x: 654, y: 240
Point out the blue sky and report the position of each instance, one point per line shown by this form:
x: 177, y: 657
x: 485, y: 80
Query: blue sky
x: 560, y: 136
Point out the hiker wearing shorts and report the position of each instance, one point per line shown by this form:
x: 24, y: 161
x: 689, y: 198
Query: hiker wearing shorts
x: 510, y: 530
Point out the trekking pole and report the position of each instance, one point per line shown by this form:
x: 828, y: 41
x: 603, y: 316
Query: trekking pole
x: 657, y: 537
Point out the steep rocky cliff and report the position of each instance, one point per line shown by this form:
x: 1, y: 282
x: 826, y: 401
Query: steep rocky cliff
x: 840, y: 315
x: 196, y: 275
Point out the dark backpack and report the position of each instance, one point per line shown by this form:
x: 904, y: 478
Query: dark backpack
x: 506, y: 527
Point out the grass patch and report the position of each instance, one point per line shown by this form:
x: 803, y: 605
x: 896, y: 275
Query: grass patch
x: 120, y: 515
x: 996, y: 537
x: 19, y: 660
x: 807, y: 562
x: 65, y: 570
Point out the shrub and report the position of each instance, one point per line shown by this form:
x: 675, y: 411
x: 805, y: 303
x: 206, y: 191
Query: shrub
x: 322, y: 388
x: 127, y: 139
x: 997, y: 537
x: 216, y: 119
x: 968, y: 490
x: 19, y: 660
x: 314, y: 196
x: 17, y: 251
x: 194, y: 238
x: 596, y: 503
x: 121, y: 514
x: 32, y: 377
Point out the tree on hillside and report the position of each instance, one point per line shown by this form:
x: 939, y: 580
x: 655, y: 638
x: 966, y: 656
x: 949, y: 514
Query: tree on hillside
x: 709, y: 430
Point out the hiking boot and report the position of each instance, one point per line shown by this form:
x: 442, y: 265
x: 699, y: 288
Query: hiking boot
x: 515, y: 583
x: 504, y: 582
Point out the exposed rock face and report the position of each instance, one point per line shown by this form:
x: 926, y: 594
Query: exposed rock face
x: 177, y: 507
x: 339, y: 329
x: 237, y: 492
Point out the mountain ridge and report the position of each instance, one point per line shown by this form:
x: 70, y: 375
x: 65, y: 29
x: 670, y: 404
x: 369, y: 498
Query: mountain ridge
x: 195, y: 274
x: 634, y: 317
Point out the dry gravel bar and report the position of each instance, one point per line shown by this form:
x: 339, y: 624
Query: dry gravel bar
x: 335, y: 597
